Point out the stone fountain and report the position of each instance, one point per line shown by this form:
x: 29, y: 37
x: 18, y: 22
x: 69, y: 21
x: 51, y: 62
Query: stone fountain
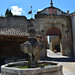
x: 32, y: 46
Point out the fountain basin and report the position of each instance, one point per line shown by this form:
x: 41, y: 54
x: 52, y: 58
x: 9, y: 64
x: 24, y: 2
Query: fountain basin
x: 13, y: 69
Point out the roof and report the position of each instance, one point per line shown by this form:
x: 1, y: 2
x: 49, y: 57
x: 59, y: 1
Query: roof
x: 72, y: 14
x: 52, y: 10
x: 13, y: 31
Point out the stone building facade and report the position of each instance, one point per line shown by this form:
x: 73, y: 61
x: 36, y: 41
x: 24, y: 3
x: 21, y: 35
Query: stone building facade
x: 57, y: 24
x: 51, y: 21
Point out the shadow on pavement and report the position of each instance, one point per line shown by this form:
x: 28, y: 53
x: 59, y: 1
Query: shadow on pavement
x: 59, y: 59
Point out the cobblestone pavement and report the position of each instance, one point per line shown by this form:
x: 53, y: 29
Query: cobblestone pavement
x: 68, y: 63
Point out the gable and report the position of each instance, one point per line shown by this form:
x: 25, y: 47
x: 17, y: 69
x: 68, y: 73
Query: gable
x: 52, y: 11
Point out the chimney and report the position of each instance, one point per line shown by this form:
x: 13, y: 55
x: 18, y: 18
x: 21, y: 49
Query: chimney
x: 67, y: 11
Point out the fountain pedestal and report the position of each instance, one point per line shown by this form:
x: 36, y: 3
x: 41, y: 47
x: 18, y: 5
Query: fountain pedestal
x: 32, y: 47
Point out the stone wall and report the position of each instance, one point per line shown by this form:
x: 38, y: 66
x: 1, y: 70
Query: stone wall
x: 63, y: 23
x: 13, y: 22
x: 73, y: 30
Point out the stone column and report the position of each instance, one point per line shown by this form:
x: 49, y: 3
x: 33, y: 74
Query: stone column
x: 73, y: 30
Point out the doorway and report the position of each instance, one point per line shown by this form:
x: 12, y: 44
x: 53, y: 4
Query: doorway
x: 54, y: 39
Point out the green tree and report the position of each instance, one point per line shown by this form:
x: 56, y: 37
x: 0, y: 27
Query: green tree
x: 1, y: 16
x: 8, y: 13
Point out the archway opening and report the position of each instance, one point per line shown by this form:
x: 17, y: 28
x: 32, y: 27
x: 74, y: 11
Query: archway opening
x: 53, y: 35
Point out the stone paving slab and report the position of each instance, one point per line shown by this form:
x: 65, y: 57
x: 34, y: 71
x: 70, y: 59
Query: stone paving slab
x: 66, y: 72
x: 69, y: 68
x: 68, y: 63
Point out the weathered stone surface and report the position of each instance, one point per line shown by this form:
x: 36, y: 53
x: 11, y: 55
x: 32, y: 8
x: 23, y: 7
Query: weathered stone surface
x: 32, y: 47
x: 13, y: 22
x: 50, y: 70
x: 63, y: 23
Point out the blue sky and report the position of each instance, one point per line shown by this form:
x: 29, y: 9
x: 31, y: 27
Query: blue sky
x: 22, y: 7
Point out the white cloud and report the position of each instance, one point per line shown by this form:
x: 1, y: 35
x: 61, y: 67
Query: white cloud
x: 16, y: 10
x: 39, y: 9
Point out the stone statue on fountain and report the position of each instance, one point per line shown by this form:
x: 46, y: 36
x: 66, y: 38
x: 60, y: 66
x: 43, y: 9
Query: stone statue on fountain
x: 32, y: 46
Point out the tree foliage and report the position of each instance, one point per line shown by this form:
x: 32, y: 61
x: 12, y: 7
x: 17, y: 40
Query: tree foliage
x: 1, y: 16
x: 8, y: 13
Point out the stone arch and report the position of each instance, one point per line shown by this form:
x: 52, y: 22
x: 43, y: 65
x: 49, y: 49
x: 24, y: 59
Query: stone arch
x: 54, y: 36
x: 53, y: 31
